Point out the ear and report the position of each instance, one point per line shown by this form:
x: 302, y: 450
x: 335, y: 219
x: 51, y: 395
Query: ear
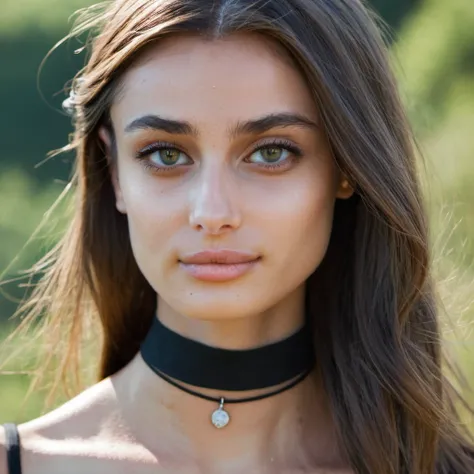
x: 344, y: 189
x: 107, y: 142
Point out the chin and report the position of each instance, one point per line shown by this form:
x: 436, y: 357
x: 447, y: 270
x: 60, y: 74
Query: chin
x: 213, y: 305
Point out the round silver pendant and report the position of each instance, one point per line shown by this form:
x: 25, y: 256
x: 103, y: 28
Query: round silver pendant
x: 220, y: 417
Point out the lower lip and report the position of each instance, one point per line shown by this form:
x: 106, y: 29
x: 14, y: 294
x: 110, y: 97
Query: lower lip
x: 218, y: 271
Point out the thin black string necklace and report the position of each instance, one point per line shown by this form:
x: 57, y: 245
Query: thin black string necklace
x: 175, y: 357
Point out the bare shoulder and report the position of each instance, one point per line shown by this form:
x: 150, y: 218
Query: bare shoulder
x: 71, y: 418
x: 70, y: 436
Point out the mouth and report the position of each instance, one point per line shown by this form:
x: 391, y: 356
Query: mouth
x: 222, y: 265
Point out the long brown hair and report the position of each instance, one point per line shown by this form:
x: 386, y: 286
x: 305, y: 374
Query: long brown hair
x: 372, y: 299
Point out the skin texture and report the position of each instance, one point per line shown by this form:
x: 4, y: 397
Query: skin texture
x: 220, y: 200
x: 222, y: 197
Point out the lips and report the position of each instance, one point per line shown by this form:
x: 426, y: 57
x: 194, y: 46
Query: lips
x: 219, y: 256
x: 218, y: 265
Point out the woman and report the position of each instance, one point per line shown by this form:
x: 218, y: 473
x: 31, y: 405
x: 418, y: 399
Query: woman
x: 249, y: 231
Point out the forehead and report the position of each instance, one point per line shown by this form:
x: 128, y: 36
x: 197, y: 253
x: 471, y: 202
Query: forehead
x: 233, y: 78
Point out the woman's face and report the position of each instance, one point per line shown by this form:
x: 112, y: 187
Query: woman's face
x: 220, y: 147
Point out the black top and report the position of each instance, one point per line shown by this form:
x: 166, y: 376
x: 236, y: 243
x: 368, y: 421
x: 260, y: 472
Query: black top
x: 13, y: 448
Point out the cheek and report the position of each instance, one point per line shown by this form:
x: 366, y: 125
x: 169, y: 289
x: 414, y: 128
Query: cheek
x: 298, y: 223
x: 289, y: 219
x: 309, y: 230
x: 154, y: 216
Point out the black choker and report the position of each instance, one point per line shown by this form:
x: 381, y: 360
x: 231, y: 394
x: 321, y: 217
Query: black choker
x: 173, y: 356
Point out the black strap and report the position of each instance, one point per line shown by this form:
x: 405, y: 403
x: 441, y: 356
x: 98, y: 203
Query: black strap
x: 13, y: 448
x: 198, y: 364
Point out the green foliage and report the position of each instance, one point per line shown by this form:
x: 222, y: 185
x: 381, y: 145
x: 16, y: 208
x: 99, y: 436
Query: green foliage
x: 434, y: 59
x: 436, y: 52
x: 435, y: 63
x: 23, y: 212
x: 19, y: 222
x: 48, y: 16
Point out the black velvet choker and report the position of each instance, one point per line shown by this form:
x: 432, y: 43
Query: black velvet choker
x: 173, y: 356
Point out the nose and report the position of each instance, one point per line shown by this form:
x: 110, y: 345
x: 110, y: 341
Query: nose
x: 214, y: 207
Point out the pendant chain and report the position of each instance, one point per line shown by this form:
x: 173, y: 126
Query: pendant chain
x: 302, y: 376
x: 220, y: 417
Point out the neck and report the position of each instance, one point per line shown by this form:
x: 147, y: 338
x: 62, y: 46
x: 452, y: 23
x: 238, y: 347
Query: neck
x: 271, y: 430
x: 239, y: 333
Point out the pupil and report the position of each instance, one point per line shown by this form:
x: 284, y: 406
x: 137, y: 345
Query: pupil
x: 169, y: 156
x: 271, y: 154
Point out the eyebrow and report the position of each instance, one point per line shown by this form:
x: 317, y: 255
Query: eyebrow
x: 154, y: 122
x: 256, y: 126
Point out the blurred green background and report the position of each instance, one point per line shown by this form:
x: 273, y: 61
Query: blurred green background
x: 433, y: 55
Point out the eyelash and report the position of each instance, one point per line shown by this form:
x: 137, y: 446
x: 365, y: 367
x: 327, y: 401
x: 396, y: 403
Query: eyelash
x: 282, y: 143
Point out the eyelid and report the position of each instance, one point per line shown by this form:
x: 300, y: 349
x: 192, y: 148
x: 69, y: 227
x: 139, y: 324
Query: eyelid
x: 145, y: 152
x: 156, y: 145
x: 295, y: 154
x: 277, y: 142
x: 264, y: 142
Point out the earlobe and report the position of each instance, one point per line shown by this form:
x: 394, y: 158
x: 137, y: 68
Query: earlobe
x: 345, y: 189
x: 106, y: 140
x: 119, y: 201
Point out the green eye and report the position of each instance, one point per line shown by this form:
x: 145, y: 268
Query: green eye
x: 278, y: 155
x: 161, y: 156
x: 169, y: 156
x: 271, y: 154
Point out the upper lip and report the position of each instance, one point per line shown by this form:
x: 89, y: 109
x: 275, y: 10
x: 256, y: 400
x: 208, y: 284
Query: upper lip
x: 219, y: 256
